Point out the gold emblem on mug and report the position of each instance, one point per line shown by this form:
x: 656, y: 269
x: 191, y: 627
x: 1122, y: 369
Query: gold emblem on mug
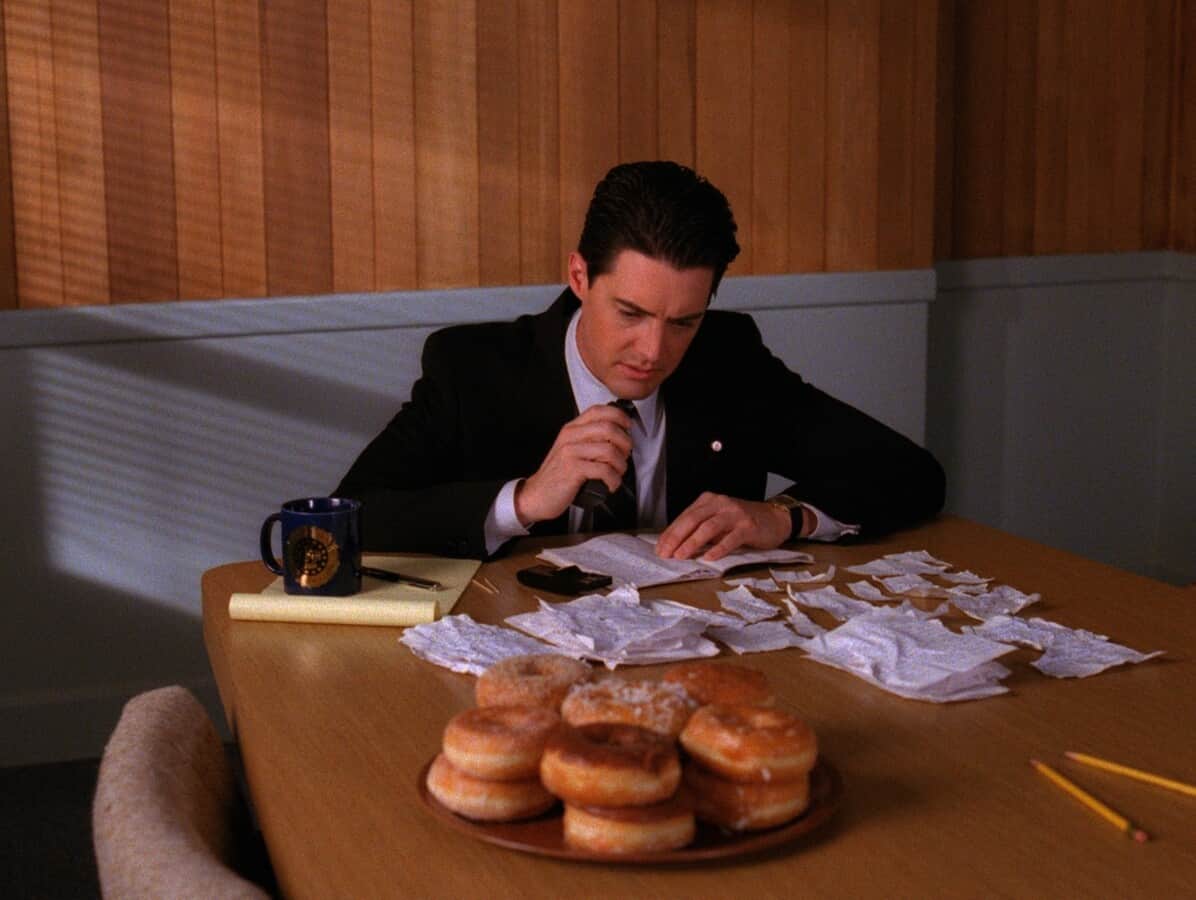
x: 312, y: 556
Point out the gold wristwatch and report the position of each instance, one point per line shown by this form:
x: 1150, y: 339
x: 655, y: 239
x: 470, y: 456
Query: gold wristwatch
x: 796, y: 513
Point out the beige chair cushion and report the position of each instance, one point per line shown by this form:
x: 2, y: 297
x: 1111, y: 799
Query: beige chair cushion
x: 164, y: 804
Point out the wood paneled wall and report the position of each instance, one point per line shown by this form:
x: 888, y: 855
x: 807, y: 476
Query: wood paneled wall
x: 1072, y: 123
x: 162, y: 149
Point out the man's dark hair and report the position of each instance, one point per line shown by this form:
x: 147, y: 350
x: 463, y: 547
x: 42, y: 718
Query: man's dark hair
x: 662, y: 210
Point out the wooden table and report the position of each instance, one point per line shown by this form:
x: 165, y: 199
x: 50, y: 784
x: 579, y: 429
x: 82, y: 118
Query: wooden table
x: 334, y: 722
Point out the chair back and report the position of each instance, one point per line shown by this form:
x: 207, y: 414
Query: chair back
x: 165, y: 804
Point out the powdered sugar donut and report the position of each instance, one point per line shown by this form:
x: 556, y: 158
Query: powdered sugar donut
x: 655, y: 705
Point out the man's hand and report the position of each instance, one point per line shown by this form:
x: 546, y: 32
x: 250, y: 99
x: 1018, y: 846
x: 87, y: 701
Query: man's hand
x: 594, y: 445
x: 726, y: 523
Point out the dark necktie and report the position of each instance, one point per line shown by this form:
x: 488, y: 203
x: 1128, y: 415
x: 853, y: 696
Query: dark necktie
x: 619, y: 512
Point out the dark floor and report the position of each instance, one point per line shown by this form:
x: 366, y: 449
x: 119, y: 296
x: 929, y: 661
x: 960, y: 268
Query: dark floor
x: 45, y: 831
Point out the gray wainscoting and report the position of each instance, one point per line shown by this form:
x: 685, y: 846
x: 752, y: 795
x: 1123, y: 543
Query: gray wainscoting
x: 146, y: 443
x: 1063, y: 402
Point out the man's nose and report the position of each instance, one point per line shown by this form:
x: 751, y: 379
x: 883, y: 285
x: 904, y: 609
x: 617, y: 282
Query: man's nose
x: 650, y: 341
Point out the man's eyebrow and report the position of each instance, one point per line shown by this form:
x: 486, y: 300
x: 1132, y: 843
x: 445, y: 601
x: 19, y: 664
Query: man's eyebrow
x: 679, y: 320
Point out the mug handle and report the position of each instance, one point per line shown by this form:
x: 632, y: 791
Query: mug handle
x: 267, y: 550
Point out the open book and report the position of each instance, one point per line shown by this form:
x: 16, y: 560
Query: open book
x: 631, y: 559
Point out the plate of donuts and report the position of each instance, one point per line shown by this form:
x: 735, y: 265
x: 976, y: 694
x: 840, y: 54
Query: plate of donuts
x: 698, y: 765
x: 544, y: 835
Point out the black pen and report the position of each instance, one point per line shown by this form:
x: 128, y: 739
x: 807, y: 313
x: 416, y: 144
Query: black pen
x: 400, y: 578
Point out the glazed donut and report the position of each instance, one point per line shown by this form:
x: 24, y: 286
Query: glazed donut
x: 743, y: 806
x: 710, y: 682
x: 538, y: 679
x: 654, y: 705
x: 609, y: 764
x: 630, y: 829
x: 750, y: 743
x: 499, y: 743
x: 486, y: 801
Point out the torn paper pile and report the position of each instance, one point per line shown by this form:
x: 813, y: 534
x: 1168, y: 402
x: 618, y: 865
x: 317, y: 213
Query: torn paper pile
x: 913, y: 657
x: 463, y: 645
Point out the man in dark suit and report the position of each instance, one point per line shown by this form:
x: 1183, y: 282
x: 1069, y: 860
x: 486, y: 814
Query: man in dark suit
x: 509, y: 420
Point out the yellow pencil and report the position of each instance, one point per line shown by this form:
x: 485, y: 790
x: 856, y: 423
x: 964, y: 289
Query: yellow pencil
x: 1099, y: 763
x: 1122, y: 823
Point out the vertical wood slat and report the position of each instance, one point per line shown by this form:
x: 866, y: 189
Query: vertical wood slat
x: 539, y: 145
x: 446, y: 143
x: 944, y: 133
x: 852, y: 133
x: 676, y: 79
x: 896, y: 102
x: 807, y: 130
x: 1183, y: 181
x: 771, y: 56
x: 1158, y: 92
x: 392, y: 74
x: 134, y: 49
x: 979, y: 109
x: 1017, y: 163
x: 724, y: 32
x: 923, y: 152
x: 1050, y: 130
x: 239, y: 123
x: 84, y: 231
x: 196, y: 145
x: 350, y: 145
x: 637, y: 80
x: 34, y: 147
x: 295, y: 156
x: 1127, y: 41
x: 8, y: 249
x: 498, y: 142
x: 589, y: 101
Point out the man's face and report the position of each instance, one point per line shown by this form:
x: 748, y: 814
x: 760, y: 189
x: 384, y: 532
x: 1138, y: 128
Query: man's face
x: 637, y: 320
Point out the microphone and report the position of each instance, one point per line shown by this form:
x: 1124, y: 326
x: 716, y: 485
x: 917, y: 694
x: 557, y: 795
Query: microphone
x: 594, y: 492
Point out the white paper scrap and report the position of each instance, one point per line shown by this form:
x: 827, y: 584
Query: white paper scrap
x: 709, y: 616
x: 766, y: 585
x: 463, y: 645
x: 747, y: 605
x: 866, y: 590
x: 917, y: 562
x: 912, y: 585
x: 913, y: 657
x: 877, y: 567
x: 800, y: 622
x: 810, y: 577
x: 1002, y: 600
x: 758, y: 637
x: 838, y: 605
x: 1067, y: 652
x: 964, y: 577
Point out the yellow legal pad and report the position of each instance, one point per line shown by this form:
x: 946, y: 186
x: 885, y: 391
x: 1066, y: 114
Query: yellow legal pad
x: 378, y: 603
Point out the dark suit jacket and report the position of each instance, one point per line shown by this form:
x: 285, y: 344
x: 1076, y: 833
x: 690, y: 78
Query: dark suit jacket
x: 492, y: 398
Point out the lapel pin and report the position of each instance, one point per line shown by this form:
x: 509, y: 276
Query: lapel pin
x: 716, y: 446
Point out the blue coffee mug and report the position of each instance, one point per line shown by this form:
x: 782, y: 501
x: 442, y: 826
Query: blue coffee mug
x: 321, y: 546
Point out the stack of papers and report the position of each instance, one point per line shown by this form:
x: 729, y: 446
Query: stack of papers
x: 632, y: 560
x: 913, y: 657
x: 617, y: 630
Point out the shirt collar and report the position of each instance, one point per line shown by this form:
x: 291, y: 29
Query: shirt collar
x: 589, y: 391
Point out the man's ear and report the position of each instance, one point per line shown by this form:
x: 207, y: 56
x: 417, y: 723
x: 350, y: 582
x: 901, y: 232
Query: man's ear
x: 579, y: 281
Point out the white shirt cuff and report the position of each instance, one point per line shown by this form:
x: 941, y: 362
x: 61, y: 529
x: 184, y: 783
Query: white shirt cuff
x: 502, y: 523
x: 828, y: 528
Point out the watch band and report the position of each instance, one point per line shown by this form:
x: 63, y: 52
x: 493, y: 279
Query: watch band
x: 796, y: 513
